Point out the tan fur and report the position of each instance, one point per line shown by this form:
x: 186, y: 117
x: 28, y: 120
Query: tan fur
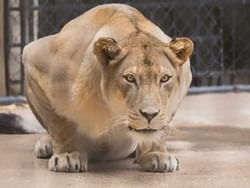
x: 75, y: 84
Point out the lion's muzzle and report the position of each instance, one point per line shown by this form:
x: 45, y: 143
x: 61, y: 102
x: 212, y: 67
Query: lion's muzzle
x: 149, y: 115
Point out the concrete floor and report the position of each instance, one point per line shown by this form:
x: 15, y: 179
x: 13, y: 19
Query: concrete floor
x: 212, y: 138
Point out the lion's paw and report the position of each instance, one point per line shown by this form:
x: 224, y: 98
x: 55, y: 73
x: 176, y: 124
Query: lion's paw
x: 43, y: 148
x: 159, y: 162
x: 68, y: 162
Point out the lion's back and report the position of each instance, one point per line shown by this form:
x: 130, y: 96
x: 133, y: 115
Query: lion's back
x: 110, y: 20
x: 98, y: 16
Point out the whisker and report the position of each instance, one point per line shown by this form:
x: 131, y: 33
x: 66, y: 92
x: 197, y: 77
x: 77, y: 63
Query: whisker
x: 133, y: 113
x: 118, y: 120
x: 132, y: 117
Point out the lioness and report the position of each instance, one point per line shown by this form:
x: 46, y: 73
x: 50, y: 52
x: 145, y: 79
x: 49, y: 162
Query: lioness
x: 107, y: 84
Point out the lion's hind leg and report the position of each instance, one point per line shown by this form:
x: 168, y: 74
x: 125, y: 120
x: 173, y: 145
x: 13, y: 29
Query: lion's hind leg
x: 44, y: 148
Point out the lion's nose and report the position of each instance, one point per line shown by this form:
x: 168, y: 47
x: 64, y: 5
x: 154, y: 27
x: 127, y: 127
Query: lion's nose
x: 149, y: 115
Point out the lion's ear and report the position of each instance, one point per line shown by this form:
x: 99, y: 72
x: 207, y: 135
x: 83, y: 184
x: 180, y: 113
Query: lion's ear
x: 106, y: 49
x: 180, y: 50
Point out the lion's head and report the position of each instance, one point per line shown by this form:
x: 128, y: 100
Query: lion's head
x: 140, y: 77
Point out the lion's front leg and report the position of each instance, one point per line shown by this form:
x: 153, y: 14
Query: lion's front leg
x: 68, y: 156
x: 63, y: 141
x: 69, y: 162
x: 156, y: 158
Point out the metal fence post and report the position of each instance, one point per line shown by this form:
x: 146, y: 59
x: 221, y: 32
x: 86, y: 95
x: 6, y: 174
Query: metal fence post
x: 2, y: 59
x: 22, y: 5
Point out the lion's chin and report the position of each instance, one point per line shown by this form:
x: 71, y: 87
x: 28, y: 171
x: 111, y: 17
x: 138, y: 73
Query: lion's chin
x: 146, y: 135
x: 143, y: 131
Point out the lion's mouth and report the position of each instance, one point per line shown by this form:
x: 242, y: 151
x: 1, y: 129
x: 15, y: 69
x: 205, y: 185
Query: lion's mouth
x: 145, y: 130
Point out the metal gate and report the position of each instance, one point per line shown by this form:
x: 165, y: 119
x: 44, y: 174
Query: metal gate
x: 219, y: 29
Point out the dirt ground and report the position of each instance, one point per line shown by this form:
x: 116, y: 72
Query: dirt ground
x: 211, y: 135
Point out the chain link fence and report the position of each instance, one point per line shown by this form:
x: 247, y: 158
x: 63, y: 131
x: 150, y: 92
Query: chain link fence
x: 219, y: 29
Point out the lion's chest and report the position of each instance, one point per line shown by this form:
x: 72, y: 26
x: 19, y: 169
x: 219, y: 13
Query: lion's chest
x: 112, y: 145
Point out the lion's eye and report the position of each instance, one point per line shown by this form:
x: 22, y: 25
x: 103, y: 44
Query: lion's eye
x: 129, y: 78
x: 165, y: 78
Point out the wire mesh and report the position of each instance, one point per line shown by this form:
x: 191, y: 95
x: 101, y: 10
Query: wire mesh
x: 219, y: 29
